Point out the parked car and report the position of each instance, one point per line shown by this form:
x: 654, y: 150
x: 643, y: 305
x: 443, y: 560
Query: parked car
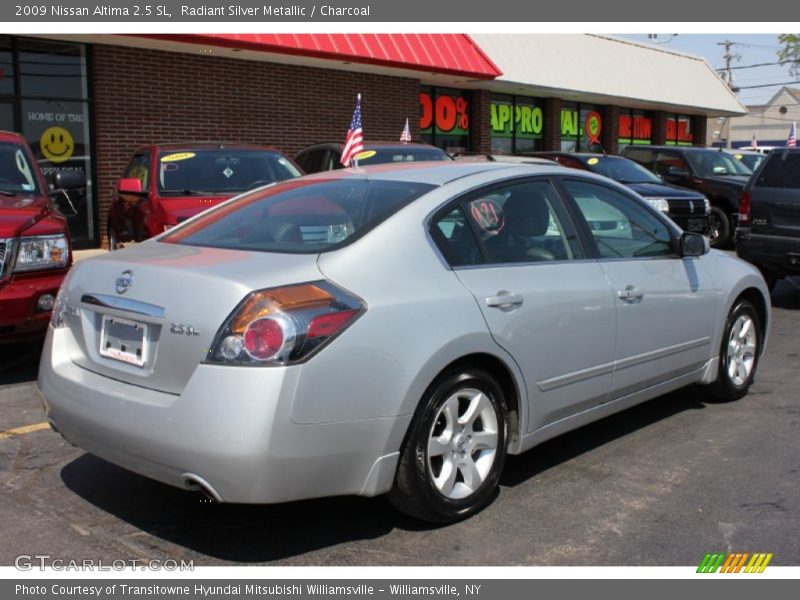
x: 391, y: 330
x: 35, y: 247
x: 752, y: 158
x: 327, y: 156
x: 769, y: 216
x: 165, y: 184
x: 687, y: 208
x: 714, y: 173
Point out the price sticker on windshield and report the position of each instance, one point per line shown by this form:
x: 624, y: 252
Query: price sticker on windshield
x: 177, y: 156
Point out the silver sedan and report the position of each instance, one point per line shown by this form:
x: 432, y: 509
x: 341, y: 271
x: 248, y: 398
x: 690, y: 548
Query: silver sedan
x: 393, y: 329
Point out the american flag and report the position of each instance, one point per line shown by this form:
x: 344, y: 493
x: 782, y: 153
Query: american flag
x: 754, y: 143
x: 792, y: 141
x: 355, y: 136
x: 405, y: 137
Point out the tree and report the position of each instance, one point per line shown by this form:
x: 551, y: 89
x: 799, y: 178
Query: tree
x: 790, y: 52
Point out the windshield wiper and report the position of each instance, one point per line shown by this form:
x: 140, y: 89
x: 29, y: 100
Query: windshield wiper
x: 7, y: 193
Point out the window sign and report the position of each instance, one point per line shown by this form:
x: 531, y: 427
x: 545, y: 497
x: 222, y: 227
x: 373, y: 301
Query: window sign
x: 679, y: 130
x: 517, y: 124
x: 581, y: 128
x: 444, y: 118
x: 635, y: 127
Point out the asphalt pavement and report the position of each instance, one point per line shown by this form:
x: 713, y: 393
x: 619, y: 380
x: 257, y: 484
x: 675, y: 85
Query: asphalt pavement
x: 660, y: 484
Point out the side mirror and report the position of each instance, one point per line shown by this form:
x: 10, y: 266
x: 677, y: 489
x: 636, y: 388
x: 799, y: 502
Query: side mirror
x: 130, y: 185
x: 67, y: 180
x: 693, y: 244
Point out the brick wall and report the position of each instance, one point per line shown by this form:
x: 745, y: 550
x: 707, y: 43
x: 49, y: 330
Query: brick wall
x: 144, y: 96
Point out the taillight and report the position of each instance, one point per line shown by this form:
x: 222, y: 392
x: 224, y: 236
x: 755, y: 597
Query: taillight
x: 284, y: 325
x: 744, y: 209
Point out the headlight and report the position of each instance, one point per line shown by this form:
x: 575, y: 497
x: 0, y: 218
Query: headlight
x: 707, y: 205
x: 42, y: 252
x: 658, y: 203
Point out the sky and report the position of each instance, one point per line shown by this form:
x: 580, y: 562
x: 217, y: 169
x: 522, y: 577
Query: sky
x: 753, y: 49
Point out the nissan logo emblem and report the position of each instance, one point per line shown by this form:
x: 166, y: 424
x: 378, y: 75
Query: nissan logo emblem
x: 124, y: 281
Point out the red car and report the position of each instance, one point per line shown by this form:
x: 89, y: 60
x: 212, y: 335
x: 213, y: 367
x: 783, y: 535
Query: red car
x: 35, y: 248
x: 165, y: 184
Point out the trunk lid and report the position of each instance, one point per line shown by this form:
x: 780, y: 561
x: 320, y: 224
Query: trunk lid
x: 173, y: 301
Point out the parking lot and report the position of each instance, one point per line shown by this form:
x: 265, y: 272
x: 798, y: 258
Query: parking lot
x: 661, y: 484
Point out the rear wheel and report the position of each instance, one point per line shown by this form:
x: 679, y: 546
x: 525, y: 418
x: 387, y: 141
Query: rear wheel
x: 719, y: 227
x: 738, y: 356
x: 455, y: 450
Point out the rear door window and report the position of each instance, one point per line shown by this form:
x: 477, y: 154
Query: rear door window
x: 782, y: 170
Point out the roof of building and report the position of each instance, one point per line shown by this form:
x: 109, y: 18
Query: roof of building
x: 602, y: 69
x: 452, y: 54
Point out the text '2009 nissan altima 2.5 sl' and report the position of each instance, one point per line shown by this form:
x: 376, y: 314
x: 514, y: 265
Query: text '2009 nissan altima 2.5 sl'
x: 391, y: 329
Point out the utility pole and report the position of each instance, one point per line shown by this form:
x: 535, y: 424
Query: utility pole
x: 729, y: 57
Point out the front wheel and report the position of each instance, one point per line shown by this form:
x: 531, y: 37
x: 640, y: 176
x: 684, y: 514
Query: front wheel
x: 455, y: 450
x: 738, y: 356
x: 719, y: 228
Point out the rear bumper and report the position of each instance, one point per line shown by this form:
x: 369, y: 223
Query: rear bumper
x: 230, y: 428
x: 19, y: 317
x: 777, y: 253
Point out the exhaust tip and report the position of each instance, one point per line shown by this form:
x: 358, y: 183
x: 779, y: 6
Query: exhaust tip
x: 196, y: 483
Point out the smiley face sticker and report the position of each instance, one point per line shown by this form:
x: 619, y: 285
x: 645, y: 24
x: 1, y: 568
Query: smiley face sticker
x: 57, y: 144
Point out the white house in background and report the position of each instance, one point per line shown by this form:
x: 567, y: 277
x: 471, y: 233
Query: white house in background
x: 769, y: 122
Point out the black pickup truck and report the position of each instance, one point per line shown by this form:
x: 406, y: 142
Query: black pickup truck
x: 716, y: 174
x: 769, y: 216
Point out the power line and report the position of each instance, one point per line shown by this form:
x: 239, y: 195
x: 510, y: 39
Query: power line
x: 766, y: 64
x: 750, y: 87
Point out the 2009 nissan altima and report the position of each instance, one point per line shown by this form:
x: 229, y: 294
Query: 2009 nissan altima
x: 393, y: 329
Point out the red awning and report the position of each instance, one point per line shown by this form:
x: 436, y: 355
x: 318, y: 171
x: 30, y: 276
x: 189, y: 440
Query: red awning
x: 451, y: 54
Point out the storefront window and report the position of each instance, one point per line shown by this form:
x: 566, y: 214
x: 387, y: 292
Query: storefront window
x: 517, y: 124
x: 635, y: 127
x: 679, y: 130
x: 444, y: 118
x: 47, y: 100
x: 581, y: 127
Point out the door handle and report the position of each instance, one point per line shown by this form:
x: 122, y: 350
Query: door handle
x: 504, y: 300
x: 630, y: 295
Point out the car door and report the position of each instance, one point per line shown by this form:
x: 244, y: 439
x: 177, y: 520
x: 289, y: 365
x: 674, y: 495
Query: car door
x: 665, y: 303
x: 514, y: 248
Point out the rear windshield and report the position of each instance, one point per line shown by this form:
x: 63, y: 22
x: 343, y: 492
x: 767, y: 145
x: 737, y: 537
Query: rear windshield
x: 621, y: 169
x: 17, y: 176
x: 781, y: 171
x: 226, y: 171
x: 377, y: 156
x: 299, y: 216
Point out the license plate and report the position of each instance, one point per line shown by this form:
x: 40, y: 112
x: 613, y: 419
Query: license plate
x: 697, y: 225
x: 123, y: 340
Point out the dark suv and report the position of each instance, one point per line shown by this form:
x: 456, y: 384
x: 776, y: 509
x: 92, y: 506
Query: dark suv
x: 716, y: 174
x: 769, y: 216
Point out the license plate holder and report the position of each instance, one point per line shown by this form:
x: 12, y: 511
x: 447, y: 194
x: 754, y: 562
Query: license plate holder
x: 123, y: 340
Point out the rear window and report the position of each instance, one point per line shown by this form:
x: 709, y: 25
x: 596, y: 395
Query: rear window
x: 299, y: 216
x: 376, y: 156
x: 782, y: 170
x: 224, y: 170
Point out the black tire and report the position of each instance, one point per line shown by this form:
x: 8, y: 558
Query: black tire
x: 415, y: 491
x: 719, y: 228
x: 729, y: 387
